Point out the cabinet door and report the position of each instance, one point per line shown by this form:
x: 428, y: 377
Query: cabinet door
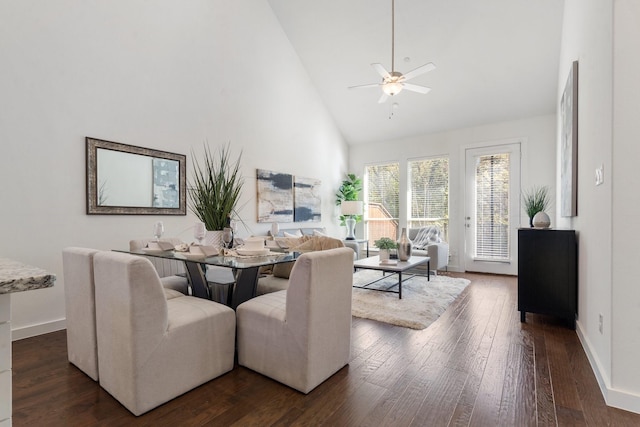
x: 547, y: 272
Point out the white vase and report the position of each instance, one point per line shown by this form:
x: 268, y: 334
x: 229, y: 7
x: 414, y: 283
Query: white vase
x: 541, y: 220
x: 213, y: 238
x: 383, y: 254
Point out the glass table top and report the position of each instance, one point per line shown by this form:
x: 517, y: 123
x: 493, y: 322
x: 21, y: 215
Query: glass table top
x: 239, y: 262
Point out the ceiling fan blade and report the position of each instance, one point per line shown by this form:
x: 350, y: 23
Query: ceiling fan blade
x: 420, y: 70
x: 381, y: 70
x: 416, y: 88
x: 364, y: 86
x: 383, y: 98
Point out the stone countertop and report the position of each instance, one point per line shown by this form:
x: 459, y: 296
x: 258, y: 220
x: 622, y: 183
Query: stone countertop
x: 18, y: 277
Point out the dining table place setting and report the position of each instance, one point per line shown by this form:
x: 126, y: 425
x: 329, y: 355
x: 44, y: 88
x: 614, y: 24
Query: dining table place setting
x: 158, y: 246
x: 252, y: 247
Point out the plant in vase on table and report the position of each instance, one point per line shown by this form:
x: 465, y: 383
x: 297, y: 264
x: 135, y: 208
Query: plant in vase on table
x: 215, y: 190
x: 385, y: 245
x: 535, y: 202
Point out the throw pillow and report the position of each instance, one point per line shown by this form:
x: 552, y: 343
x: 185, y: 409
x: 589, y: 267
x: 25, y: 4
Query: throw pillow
x: 319, y: 243
x: 319, y: 233
x: 296, y: 234
x: 265, y: 269
x: 283, y: 269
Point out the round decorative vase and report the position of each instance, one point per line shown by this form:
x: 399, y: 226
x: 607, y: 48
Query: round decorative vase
x: 383, y: 254
x: 214, y: 238
x: 404, y: 246
x: 541, y: 220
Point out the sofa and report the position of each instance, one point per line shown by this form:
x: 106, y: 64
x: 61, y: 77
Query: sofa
x: 429, y: 243
x: 313, y: 231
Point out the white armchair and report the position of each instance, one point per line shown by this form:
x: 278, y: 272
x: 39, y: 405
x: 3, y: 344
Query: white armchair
x: 79, y: 293
x: 171, y: 272
x: 150, y: 349
x: 301, y: 336
x: 431, y: 246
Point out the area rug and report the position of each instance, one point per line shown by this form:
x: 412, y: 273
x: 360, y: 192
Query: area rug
x: 421, y: 304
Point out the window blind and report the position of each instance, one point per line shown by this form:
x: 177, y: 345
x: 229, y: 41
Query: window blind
x: 492, y: 207
x: 429, y: 192
x: 382, y: 192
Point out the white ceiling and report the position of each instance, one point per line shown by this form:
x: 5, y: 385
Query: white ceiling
x: 496, y: 60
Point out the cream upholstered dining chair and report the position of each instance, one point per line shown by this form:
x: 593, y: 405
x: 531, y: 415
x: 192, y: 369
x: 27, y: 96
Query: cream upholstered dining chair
x: 150, y: 349
x: 80, y: 307
x: 79, y: 294
x: 301, y: 336
x: 171, y: 272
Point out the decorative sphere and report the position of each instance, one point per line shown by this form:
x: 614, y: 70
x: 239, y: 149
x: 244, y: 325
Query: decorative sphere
x: 541, y: 220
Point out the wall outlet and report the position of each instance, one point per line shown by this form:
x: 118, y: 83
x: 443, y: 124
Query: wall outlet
x: 600, y: 323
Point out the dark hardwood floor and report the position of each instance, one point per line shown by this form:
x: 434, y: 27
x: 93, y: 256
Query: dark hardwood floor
x: 477, y: 365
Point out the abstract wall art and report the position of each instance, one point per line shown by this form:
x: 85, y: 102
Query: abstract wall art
x: 307, y: 199
x: 275, y: 196
x: 569, y: 145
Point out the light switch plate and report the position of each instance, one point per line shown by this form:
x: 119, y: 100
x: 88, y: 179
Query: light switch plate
x: 600, y: 175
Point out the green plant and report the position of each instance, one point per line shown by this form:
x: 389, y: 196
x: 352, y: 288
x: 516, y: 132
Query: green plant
x: 535, y: 200
x: 349, y: 190
x: 385, y: 243
x: 216, y: 187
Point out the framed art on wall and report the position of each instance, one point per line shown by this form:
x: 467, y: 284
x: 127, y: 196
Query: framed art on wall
x: 569, y: 145
x: 307, y: 202
x: 275, y: 196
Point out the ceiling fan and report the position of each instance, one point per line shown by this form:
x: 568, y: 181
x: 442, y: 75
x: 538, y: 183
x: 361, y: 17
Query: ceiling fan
x: 394, y: 81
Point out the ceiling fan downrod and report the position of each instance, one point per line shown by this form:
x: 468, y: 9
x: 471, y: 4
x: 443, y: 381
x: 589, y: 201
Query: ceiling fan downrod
x: 393, y: 34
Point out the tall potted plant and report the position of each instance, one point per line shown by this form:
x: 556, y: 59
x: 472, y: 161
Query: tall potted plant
x: 349, y: 191
x: 535, y: 200
x: 215, y: 190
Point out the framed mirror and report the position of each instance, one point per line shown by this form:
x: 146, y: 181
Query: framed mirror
x: 128, y: 180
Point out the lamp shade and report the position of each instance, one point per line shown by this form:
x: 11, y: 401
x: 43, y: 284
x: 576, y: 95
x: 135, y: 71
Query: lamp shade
x: 351, y: 207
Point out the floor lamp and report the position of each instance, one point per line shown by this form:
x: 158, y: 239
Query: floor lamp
x: 350, y: 208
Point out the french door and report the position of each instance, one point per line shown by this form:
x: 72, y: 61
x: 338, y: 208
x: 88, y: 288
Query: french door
x: 492, y: 208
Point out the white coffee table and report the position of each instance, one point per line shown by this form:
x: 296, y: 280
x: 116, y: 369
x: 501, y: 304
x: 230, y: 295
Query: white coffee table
x: 373, y: 263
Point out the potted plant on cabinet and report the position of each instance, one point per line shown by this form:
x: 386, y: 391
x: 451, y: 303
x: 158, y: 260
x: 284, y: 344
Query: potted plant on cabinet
x: 385, y: 244
x: 215, y: 190
x: 537, y: 199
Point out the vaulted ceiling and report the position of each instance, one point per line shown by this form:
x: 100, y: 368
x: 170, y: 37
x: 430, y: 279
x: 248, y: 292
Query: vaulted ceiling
x: 496, y: 60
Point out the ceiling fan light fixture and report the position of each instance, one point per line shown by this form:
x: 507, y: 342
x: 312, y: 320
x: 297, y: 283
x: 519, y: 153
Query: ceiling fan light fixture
x: 392, y: 88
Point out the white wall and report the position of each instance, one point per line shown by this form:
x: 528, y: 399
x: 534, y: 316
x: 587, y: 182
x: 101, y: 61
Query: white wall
x: 625, y: 317
x: 537, y: 135
x: 602, y: 36
x: 587, y: 39
x: 166, y: 75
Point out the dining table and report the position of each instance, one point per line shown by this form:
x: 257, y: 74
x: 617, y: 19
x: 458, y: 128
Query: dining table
x: 245, y: 272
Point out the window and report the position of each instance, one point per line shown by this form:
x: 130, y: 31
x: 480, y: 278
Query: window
x: 429, y: 193
x: 381, y: 185
x: 492, y: 207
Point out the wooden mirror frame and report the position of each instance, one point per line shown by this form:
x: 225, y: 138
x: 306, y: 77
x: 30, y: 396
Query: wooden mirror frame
x: 93, y: 208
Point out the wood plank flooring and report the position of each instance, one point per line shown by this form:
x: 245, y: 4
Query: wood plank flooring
x: 475, y: 366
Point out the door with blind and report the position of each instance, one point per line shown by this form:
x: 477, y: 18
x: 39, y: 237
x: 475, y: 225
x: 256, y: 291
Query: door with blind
x: 492, y: 206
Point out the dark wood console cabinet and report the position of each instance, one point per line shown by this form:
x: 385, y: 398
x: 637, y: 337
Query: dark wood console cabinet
x: 548, y: 273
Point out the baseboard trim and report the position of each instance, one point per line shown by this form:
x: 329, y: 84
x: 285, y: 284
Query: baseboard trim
x: 39, y: 329
x: 612, y: 397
